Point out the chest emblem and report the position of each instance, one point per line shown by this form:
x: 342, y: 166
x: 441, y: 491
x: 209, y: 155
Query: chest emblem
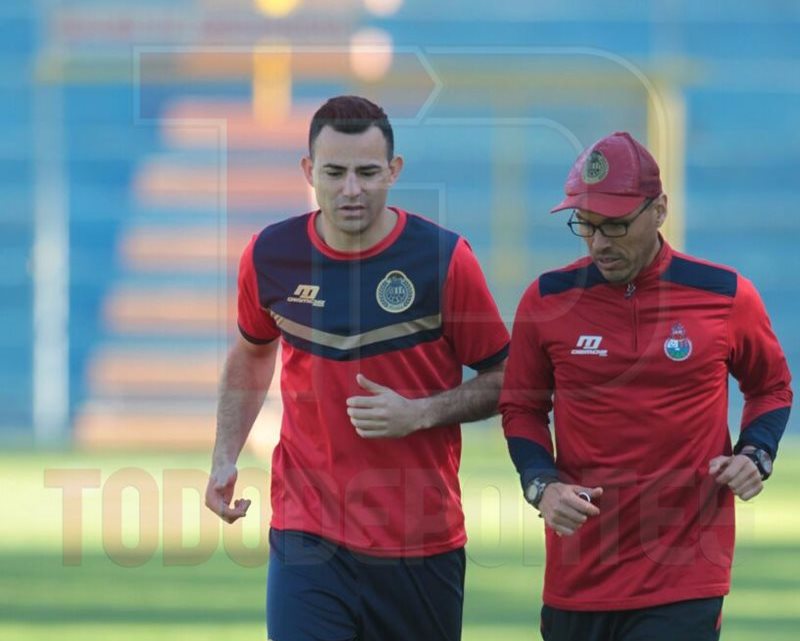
x: 395, y: 293
x: 678, y: 347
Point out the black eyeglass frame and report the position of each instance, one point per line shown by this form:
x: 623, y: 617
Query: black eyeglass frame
x: 575, y: 225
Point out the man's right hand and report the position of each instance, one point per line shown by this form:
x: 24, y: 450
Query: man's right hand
x: 219, y: 493
x: 564, y: 510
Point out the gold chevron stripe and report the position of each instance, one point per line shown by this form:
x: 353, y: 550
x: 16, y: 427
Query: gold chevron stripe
x: 337, y: 341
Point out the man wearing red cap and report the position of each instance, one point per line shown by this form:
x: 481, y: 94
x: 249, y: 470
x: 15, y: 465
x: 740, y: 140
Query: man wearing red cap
x: 631, y: 348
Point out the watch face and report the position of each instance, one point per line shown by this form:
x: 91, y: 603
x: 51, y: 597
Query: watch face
x: 763, y: 462
x: 530, y: 492
x: 766, y: 461
x: 533, y: 493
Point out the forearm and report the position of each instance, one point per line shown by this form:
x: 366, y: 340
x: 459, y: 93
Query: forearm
x: 525, y: 404
x: 243, y: 388
x: 471, y: 401
x: 531, y: 459
x: 764, y: 431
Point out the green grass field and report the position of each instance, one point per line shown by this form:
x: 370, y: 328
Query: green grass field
x: 171, y: 572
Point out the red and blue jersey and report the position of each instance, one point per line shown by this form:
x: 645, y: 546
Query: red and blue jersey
x: 637, y: 380
x: 408, y: 313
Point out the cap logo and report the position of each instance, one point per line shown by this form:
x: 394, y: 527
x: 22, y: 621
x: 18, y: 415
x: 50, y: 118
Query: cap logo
x: 595, y: 168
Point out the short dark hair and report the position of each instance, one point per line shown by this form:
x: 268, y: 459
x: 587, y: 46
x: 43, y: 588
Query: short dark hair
x: 351, y: 115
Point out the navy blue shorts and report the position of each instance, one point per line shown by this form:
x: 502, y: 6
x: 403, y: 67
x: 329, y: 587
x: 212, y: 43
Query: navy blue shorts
x: 694, y: 620
x: 320, y: 591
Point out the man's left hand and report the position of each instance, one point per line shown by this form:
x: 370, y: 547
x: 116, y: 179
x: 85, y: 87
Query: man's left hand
x: 385, y: 414
x: 739, y: 473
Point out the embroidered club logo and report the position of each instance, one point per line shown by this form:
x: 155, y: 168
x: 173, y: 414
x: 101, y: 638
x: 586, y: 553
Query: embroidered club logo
x: 678, y: 347
x: 595, y: 168
x: 395, y: 293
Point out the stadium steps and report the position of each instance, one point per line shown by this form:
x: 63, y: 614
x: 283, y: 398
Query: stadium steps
x: 183, y: 249
x: 167, y: 311
x: 153, y: 375
x: 165, y: 183
x: 740, y: 176
x: 182, y: 227
x: 152, y: 371
x: 194, y: 123
x: 116, y: 424
x: 19, y: 28
x: 166, y: 425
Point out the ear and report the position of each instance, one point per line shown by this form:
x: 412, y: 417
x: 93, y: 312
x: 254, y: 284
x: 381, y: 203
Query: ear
x: 308, y: 169
x: 661, y: 210
x: 395, y: 167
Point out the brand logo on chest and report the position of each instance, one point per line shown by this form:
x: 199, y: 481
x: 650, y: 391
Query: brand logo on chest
x: 589, y: 346
x: 306, y: 294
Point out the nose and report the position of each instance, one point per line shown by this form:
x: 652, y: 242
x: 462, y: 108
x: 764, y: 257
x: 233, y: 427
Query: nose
x: 352, y: 185
x: 598, y: 241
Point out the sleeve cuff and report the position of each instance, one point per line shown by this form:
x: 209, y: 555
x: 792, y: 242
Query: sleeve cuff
x: 764, y: 432
x: 253, y: 339
x: 494, y: 359
x: 531, y: 460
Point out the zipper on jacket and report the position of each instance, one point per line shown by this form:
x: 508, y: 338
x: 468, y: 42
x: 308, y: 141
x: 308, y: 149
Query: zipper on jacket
x: 630, y: 290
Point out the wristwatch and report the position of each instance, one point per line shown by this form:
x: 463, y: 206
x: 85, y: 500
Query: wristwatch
x: 535, y: 489
x: 762, y: 461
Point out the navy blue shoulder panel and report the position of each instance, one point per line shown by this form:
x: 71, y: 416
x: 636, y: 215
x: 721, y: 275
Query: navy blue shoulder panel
x: 561, y: 281
x: 436, y: 242
x: 381, y: 303
x: 282, y: 242
x: 281, y: 257
x: 709, y: 278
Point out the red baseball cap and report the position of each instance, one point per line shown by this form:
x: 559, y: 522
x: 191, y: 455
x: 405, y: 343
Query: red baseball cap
x: 612, y: 177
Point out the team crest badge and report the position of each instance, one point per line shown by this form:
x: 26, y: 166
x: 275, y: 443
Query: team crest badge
x: 678, y: 347
x: 595, y: 168
x: 395, y: 293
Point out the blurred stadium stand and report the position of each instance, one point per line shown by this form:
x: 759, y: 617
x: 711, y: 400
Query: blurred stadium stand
x: 17, y: 52
x: 175, y: 154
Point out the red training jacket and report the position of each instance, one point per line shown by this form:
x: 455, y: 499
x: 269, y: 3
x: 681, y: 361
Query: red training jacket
x: 637, y: 378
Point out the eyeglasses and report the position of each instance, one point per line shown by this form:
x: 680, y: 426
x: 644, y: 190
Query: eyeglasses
x: 585, y: 229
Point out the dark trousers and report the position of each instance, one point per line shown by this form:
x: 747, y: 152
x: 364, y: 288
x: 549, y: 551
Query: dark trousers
x: 319, y: 591
x: 695, y: 620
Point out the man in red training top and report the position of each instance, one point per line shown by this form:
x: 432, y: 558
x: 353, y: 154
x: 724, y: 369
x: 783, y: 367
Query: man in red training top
x: 631, y: 347
x: 376, y: 310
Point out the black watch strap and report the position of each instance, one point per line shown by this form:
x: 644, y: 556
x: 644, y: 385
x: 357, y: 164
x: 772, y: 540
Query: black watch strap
x: 762, y: 461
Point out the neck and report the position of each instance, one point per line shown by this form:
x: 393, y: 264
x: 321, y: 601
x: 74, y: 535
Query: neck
x: 650, y: 258
x: 655, y: 252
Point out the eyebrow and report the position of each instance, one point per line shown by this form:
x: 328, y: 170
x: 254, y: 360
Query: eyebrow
x: 330, y: 165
